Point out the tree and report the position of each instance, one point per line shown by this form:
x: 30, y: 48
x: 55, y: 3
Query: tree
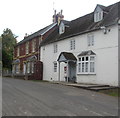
x: 8, y: 43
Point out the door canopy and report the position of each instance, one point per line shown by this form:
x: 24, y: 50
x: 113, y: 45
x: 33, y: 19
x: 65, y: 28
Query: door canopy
x: 17, y: 61
x: 32, y: 58
x: 66, y: 56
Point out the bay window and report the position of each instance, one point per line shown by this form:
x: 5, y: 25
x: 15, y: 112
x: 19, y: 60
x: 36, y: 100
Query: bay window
x: 86, y: 64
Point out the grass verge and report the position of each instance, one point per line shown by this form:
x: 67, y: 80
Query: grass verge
x: 112, y: 92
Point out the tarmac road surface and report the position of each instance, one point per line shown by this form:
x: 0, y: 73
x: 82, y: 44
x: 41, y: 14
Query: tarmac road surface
x: 28, y: 98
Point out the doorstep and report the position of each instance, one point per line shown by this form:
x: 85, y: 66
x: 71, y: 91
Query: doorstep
x: 93, y: 87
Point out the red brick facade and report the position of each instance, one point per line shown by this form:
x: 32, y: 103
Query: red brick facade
x: 21, y: 61
x: 22, y: 52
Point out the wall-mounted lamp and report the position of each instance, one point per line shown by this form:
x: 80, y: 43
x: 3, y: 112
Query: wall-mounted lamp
x: 105, y: 29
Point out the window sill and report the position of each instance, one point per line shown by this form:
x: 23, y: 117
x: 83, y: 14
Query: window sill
x: 86, y: 73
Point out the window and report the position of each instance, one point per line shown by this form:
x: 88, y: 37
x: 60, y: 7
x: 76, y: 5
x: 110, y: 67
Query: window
x: 27, y: 47
x: 86, y: 65
x: 61, y: 28
x: 17, y: 68
x: 18, y: 51
x: 55, y: 66
x: 90, y: 38
x: 98, y: 16
x: 55, y: 48
x: 92, y: 64
x: 13, y: 68
x: 33, y: 45
x: 32, y: 67
x: 28, y: 67
x: 24, y: 68
x: 72, y: 45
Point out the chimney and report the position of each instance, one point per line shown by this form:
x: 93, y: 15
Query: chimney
x: 57, y: 17
x: 54, y: 17
x: 26, y: 35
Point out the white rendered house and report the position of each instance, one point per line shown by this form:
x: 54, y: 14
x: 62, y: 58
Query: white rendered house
x: 84, y: 50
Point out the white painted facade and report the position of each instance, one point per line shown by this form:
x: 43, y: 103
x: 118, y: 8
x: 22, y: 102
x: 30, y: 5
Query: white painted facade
x: 106, y: 60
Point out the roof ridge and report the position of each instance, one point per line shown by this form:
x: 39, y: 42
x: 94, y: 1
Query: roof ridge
x: 39, y: 30
x: 28, y: 37
x: 82, y: 16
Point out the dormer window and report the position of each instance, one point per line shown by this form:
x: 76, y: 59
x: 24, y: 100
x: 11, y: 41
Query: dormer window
x: 61, y: 28
x: 98, y: 14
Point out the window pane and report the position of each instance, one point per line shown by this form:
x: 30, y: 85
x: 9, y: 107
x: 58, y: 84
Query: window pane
x: 32, y: 67
x: 79, y: 59
x: 86, y: 67
x: 74, y: 43
x: 86, y: 58
x: 55, y: 67
x: 82, y: 58
x: 79, y: 67
x: 33, y: 46
x: 92, y: 43
x: 82, y: 67
x: 90, y: 40
x: 71, y: 45
x: 17, y: 68
x: 92, y: 58
x: 92, y: 68
x: 28, y: 67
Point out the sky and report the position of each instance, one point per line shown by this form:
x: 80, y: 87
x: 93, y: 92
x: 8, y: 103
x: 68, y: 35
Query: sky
x: 29, y: 16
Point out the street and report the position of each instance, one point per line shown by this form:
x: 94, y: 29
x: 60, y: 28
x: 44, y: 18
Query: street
x: 28, y: 98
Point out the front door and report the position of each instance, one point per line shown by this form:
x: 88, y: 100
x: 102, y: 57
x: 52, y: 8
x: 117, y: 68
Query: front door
x: 72, y: 71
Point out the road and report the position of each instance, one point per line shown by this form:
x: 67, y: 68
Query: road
x: 28, y: 98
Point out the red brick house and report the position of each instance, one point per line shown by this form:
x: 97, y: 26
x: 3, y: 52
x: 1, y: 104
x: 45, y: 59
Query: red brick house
x: 26, y: 62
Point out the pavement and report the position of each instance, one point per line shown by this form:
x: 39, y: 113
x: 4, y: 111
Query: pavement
x: 93, y: 87
x: 28, y: 98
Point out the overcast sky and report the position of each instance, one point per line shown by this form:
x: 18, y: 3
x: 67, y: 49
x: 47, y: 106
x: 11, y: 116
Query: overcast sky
x: 29, y: 16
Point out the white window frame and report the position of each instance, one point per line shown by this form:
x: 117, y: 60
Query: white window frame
x: 72, y: 44
x: 55, y: 46
x: 55, y: 66
x: 90, y: 40
x: 27, y: 47
x: 81, y: 62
